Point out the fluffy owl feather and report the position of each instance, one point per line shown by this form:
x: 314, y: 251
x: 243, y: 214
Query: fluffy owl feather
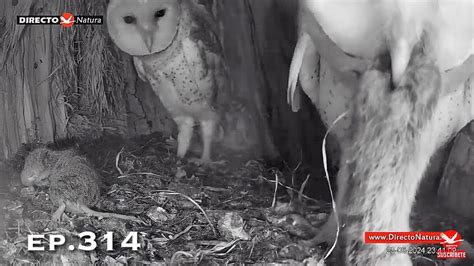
x: 177, y: 50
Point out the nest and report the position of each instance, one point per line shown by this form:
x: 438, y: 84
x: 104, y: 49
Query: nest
x: 192, y: 214
x: 81, y: 127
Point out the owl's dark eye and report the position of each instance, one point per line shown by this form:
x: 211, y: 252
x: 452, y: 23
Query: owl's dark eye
x: 129, y: 19
x: 160, y: 13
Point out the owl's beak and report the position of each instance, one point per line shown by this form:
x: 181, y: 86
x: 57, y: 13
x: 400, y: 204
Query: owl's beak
x: 147, y: 36
x: 148, y: 40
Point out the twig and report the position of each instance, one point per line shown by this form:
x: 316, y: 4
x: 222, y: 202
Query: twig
x: 170, y: 192
x: 251, y: 249
x: 303, y: 186
x: 200, y: 253
x: 140, y: 173
x: 215, y: 189
x: 117, y: 159
x: 232, y: 199
x: 287, y: 187
x: 293, y: 172
x: 325, y: 164
x: 175, y: 236
x: 275, y: 191
x: 144, y: 145
x: 217, y: 248
x: 35, y: 262
x: 207, y: 242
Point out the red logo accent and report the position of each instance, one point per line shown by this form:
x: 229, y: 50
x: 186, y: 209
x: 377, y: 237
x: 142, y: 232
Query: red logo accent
x: 451, y: 240
x: 67, y: 20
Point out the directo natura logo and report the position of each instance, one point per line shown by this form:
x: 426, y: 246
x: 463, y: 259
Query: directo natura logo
x: 66, y: 20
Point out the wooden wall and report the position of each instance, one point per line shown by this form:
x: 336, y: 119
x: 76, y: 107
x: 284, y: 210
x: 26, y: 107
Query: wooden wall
x: 26, y: 91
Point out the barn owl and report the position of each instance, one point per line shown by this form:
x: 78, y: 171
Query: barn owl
x: 330, y: 30
x: 175, y: 48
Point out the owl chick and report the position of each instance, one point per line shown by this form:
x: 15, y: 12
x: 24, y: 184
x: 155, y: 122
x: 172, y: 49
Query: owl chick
x: 175, y: 48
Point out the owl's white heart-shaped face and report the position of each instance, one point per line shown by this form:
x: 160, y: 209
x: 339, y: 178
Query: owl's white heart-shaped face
x: 143, y: 27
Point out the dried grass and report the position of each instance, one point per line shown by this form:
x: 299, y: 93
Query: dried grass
x: 90, y: 71
x: 12, y: 33
x: 86, y: 68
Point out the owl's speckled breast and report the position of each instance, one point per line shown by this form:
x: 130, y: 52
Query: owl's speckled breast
x: 180, y: 76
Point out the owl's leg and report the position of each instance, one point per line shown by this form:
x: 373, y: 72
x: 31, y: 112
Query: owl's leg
x: 185, y: 133
x: 208, y: 128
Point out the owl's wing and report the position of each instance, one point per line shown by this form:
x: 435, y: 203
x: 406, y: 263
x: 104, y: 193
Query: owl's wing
x: 207, y: 47
x: 210, y: 73
x: 140, y: 69
x: 309, y: 74
x: 201, y: 14
x: 204, y: 27
x: 293, y: 93
x: 208, y: 51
